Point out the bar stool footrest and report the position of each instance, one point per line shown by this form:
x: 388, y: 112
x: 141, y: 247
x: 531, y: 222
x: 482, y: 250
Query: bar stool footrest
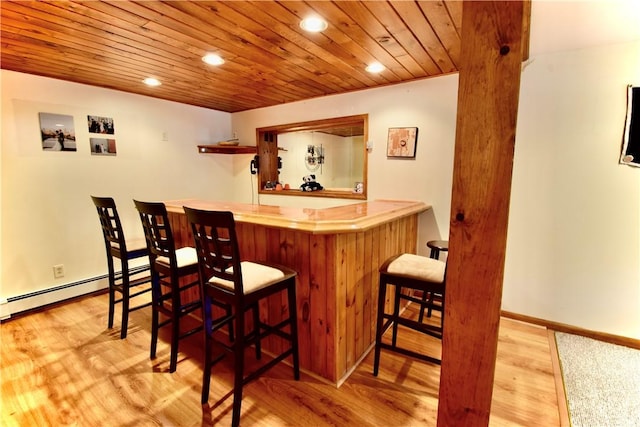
x: 410, y: 353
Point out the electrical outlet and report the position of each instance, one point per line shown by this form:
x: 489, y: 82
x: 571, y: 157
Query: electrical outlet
x: 58, y: 271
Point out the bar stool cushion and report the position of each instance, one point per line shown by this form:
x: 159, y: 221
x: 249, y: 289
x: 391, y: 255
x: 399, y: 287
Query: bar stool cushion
x: 184, y: 257
x: 134, y: 245
x: 417, y: 266
x: 254, y: 277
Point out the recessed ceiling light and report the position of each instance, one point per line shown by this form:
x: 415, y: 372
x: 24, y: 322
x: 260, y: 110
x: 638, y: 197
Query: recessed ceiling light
x: 313, y: 24
x: 213, y: 59
x: 375, y: 67
x: 151, y: 81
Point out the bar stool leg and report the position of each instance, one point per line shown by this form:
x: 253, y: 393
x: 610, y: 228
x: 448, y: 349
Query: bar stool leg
x: 238, y: 350
x: 396, y: 314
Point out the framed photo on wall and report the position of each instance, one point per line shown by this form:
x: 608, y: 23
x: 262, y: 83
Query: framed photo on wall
x: 401, y: 142
x: 102, y: 146
x: 97, y: 124
x: 58, y: 132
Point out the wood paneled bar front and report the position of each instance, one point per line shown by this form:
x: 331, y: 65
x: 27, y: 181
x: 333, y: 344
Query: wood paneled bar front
x: 337, y: 252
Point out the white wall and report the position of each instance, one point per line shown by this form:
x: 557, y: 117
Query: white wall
x: 47, y: 215
x: 573, y: 250
x: 574, y: 230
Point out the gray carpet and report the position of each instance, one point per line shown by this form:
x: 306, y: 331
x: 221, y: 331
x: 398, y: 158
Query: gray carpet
x: 601, y: 380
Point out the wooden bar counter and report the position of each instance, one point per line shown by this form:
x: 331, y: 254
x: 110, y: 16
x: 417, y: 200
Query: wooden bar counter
x: 337, y: 252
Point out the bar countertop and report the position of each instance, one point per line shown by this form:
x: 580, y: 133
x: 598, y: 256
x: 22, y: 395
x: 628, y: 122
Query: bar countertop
x: 339, y: 219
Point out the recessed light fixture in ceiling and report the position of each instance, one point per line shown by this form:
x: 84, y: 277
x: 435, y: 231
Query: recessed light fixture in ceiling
x: 375, y: 67
x: 213, y: 59
x: 151, y: 81
x: 313, y: 24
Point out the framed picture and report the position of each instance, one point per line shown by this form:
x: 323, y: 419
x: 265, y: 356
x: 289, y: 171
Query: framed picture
x: 57, y: 132
x: 102, y: 146
x: 402, y: 142
x: 97, y: 124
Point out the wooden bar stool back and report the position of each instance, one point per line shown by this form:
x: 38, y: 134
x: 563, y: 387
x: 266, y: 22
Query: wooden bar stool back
x: 242, y: 284
x: 173, y: 272
x: 407, y: 272
x: 116, y: 246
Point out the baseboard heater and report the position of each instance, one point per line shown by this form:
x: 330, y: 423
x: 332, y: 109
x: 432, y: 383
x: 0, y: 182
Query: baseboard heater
x: 37, y: 299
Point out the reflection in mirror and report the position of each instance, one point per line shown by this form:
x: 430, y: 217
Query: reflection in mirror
x: 334, y: 150
x: 335, y: 160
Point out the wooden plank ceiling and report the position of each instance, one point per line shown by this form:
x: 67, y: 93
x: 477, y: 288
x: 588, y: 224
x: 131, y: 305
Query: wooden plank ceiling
x: 269, y: 59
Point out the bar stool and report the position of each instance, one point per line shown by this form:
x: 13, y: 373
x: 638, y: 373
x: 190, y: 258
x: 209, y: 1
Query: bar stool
x: 116, y: 246
x: 169, y: 267
x: 414, y: 273
x: 436, y: 247
x: 243, y: 285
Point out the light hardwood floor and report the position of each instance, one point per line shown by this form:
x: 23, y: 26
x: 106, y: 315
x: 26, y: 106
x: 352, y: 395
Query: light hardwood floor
x: 62, y: 366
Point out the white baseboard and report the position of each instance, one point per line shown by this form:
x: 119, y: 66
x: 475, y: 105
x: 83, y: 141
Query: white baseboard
x: 33, y: 300
x: 4, y: 309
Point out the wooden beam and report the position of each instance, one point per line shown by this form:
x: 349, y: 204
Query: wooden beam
x: 526, y: 29
x: 491, y: 56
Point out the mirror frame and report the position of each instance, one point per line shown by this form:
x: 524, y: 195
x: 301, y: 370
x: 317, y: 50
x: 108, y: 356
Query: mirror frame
x: 268, y: 154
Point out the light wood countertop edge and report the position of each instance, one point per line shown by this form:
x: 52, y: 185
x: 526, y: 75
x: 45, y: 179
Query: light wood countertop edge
x: 321, y: 226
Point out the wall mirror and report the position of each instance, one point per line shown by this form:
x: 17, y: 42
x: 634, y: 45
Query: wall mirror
x: 334, y: 150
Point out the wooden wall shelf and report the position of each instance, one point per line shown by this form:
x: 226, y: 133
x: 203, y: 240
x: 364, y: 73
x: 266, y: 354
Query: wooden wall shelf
x: 227, y: 149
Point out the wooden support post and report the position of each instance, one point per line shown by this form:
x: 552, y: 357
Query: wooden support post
x: 492, y: 52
